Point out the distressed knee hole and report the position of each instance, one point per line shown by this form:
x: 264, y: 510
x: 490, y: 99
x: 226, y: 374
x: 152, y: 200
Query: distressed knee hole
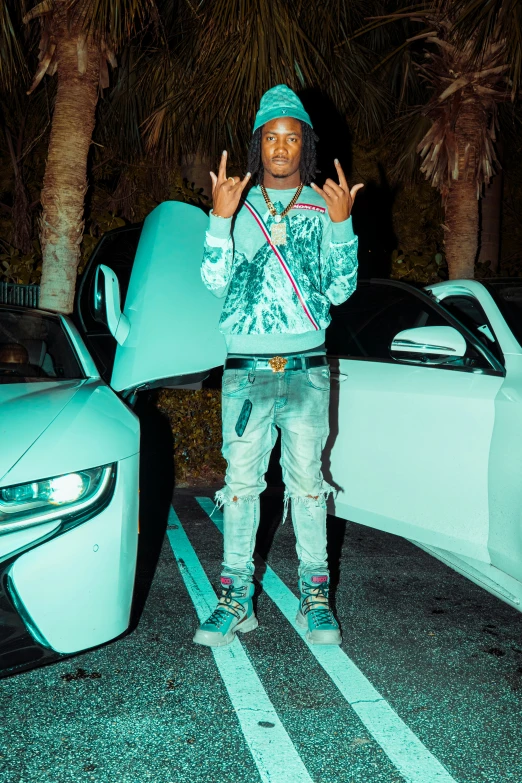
x: 308, y: 500
x: 224, y: 497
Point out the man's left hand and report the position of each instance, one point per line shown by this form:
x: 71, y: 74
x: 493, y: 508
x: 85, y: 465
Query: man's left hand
x: 339, y: 198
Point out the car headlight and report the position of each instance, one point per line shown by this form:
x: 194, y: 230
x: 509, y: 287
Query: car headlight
x: 24, y: 505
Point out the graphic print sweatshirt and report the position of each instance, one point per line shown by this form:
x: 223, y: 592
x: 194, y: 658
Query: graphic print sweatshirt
x: 262, y: 312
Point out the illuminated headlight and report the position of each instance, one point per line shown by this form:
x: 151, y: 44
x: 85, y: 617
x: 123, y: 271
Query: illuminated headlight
x: 22, y: 505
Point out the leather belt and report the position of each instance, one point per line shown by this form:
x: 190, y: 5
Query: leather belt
x: 277, y: 363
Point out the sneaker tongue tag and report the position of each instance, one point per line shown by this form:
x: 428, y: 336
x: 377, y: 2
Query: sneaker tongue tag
x: 227, y: 580
x: 319, y: 579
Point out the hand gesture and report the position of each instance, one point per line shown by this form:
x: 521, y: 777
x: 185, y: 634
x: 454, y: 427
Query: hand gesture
x: 226, y: 191
x: 339, y: 198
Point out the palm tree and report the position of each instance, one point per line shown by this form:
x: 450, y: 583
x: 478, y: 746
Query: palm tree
x: 78, y: 40
x: 468, y: 64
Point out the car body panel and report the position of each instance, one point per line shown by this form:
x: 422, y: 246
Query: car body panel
x: 17, y: 540
x: 173, y: 317
x: 95, y: 418
x: 411, y: 453
x: 28, y: 409
x: 98, y: 557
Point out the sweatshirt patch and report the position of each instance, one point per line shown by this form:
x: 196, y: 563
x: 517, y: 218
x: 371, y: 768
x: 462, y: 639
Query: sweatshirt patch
x: 312, y: 207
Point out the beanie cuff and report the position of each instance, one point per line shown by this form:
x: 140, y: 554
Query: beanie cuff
x: 276, y: 112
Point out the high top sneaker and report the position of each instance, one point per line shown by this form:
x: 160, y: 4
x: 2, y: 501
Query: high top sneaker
x: 314, y: 611
x: 234, y: 612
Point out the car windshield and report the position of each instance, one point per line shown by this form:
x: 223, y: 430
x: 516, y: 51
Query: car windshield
x: 508, y: 296
x: 35, y: 348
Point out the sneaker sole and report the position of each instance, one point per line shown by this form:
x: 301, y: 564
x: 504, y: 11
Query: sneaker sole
x: 317, y: 636
x: 216, y: 639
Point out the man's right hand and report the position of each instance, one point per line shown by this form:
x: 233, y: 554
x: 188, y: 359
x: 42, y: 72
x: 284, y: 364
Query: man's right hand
x: 226, y: 191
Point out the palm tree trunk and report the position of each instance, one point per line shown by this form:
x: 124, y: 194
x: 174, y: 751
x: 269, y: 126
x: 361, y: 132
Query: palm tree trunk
x: 65, y: 180
x: 462, y: 221
x: 461, y: 203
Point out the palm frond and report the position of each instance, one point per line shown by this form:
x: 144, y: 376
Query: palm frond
x: 482, y: 21
x: 113, y: 21
x: 237, y: 49
x: 12, y: 62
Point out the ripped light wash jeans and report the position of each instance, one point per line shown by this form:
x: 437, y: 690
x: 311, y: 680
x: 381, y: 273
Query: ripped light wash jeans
x: 296, y: 402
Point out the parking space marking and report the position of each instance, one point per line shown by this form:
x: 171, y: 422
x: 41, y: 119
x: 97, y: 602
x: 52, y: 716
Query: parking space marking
x: 273, y: 751
x: 402, y: 746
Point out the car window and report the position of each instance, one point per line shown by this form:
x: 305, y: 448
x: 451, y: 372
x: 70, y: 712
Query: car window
x: 34, y: 347
x: 364, y: 326
x: 470, y: 312
x: 116, y: 249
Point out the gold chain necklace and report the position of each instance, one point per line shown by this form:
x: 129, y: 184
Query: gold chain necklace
x: 278, y: 228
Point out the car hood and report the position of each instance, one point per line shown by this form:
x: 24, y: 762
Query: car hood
x: 26, y: 411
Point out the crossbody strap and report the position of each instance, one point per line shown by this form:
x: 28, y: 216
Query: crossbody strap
x: 280, y: 257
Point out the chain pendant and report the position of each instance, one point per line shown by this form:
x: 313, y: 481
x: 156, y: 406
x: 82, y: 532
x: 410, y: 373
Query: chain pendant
x: 278, y: 233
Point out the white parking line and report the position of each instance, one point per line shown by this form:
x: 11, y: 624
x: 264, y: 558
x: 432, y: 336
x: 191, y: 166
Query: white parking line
x: 273, y: 751
x: 404, y: 749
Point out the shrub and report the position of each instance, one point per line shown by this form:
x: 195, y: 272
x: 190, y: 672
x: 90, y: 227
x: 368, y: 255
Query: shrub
x: 418, y: 267
x: 195, y: 419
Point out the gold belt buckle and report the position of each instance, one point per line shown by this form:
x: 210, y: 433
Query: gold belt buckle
x: 278, y: 363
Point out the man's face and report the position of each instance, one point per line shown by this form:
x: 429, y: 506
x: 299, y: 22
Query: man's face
x: 281, y: 144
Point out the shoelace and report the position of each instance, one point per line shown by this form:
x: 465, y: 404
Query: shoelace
x: 322, y: 613
x: 227, y: 605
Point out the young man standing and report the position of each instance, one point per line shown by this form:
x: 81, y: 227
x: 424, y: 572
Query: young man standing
x: 287, y: 254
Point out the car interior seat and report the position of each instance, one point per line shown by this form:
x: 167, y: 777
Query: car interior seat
x: 37, y: 350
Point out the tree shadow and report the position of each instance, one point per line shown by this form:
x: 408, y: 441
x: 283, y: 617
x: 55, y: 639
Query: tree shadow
x: 335, y: 137
x: 271, y: 510
x: 335, y: 535
x: 156, y: 488
x: 373, y: 224
x: 333, y: 413
x: 372, y: 212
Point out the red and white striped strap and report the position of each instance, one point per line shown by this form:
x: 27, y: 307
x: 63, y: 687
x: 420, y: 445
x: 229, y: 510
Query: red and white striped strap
x: 260, y: 222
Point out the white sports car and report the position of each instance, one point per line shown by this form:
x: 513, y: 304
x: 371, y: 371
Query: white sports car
x: 426, y: 405
x: 70, y: 440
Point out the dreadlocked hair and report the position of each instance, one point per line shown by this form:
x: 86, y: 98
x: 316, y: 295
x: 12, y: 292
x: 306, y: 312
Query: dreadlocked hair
x: 308, y: 164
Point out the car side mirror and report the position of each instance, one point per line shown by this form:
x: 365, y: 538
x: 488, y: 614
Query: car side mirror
x: 107, y: 307
x: 428, y: 345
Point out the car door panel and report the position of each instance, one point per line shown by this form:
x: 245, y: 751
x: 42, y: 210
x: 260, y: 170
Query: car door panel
x: 471, y: 302
x: 410, y: 444
x: 173, y: 317
x: 505, y: 474
x: 412, y: 450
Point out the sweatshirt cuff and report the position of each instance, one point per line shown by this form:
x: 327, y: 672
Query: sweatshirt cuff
x: 219, y: 227
x: 343, y: 232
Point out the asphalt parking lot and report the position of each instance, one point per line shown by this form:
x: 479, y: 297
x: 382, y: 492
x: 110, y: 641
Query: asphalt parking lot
x: 427, y: 686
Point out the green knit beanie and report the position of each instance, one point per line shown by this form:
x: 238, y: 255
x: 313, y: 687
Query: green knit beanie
x: 280, y: 101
